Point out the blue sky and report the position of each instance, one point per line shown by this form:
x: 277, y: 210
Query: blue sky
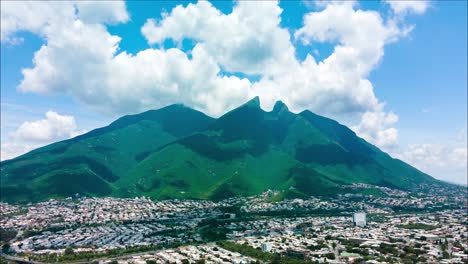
x: 400, y: 84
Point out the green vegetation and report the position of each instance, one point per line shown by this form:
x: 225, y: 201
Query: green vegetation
x: 378, y: 218
x: 288, y: 194
x: 96, y: 163
x: 317, y: 247
x: 445, y: 255
x: 213, y: 234
x: 5, y: 261
x: 71, y: 256
x: 368, y: 191
x: 385, y: 248
x: 7, y: 235
x: 258, y: 253
x: 6, y: 248
x: 177, y: 152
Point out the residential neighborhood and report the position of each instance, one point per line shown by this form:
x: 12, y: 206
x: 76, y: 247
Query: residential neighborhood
x: 388, y: 226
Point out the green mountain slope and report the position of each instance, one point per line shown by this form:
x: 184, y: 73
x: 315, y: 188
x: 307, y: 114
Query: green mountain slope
x: 177, y: 152
x: 248, y: 150
x: 94, y: 163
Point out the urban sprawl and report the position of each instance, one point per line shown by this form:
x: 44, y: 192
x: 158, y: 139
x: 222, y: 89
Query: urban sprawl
x: 364, y: 224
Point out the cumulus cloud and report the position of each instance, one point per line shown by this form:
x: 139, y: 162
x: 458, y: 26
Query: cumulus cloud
x: 376, y: 127
x: 24, y: 16
x: 361, y: 35
x: 339, y: 83
x: 441, y: 161
x: 409, y: 6
x: 13, y: 149
x: 53, y: 127
x: 336, y: 85
x: 33, y: 134
x: 36, y: 16
x: 130, y: 83
x: 109, y: 12
x: 445, y: 159
x: 249, y: 40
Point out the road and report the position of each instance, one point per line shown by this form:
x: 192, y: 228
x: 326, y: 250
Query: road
x: 22, y: 260
x: 19, y: 260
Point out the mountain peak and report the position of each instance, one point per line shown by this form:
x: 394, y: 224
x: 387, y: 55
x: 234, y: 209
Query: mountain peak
x: 280, y: 106
x: 254, y: 102
x: 311, y: 153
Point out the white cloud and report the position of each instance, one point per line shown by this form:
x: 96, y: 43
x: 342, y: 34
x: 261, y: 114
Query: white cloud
x: 376, y: 127
x: 110, y: 12
x: 460, y: 155
x: 248, y: 40
x: 404, y: 7
x: 32, y: 16
x: 36, y: 16
x: 361, y: 35
x: 445, y: 159
x: 129, y: 83
x: 53, y: 127
x: 337, y: 85
x: 33, y: 134
x: 82, y: 59
x: 12, y: 149
x: 441, y: 161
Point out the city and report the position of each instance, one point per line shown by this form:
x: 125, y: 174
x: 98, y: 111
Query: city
x: 387, y: 226
x: 233, y: 132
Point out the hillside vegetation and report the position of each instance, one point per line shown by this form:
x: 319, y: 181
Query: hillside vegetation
x: 178, y: 152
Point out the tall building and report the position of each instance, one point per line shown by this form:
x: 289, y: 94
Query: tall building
x: 266, y: 247
x: 359, y: 219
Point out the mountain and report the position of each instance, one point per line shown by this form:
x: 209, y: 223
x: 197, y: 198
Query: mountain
x: 177, y: 152
x: 95, y: 163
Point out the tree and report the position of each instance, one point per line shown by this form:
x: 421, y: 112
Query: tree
x: 6, y: 248
x: 276, y: 260
x: 445, y: 255
x: 151, y: 261
x: 443, y: 247
x: 334, y: 245
x: 330, y: 255
x: 68, y: 251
